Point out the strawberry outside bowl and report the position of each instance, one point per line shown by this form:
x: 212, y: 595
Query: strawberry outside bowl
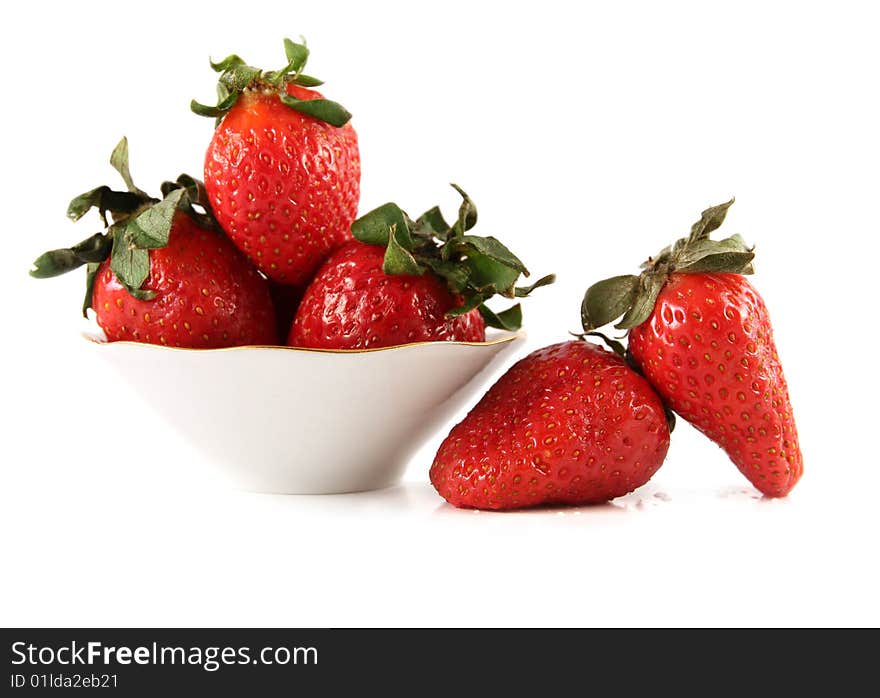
x: 307, y: 421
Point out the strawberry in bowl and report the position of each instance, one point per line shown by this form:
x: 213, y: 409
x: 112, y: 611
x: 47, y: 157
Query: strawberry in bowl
x: 162, y: 272
x: 196, y: 291
x: 176, y: 300
x: 403, y: 281
x: 282, y: 170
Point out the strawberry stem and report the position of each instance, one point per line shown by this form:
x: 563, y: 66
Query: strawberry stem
x: 474, y: 268
x: 236, y: 77
x: 633, y: 297
x: 140, y: 223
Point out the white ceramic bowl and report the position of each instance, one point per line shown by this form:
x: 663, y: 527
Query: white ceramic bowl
x: 303, y: 421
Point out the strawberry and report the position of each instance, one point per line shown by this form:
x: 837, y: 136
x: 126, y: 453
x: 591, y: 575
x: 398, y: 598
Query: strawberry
x: 403, y: 281
x: 163, y: 272
x: 282, y: 170
x: 702, y: 336
x: 353, y: 304
x: 568, y: 424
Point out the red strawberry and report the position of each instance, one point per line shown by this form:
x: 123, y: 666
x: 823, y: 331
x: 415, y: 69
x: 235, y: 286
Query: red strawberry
x: 206, y: 295
x: 569, y: 424
x: 282, y: 170
x: 405, y: 281
x: 163, y: 273
x: 702, y: 336
x: 353, y: 304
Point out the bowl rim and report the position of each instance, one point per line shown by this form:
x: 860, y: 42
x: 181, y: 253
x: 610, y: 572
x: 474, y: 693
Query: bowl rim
x: 507, y: 337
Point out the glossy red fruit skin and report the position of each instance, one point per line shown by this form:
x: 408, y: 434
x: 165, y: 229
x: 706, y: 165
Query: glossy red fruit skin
x: 208, y: 295
x: 284, y: 186
x: 708, y: 350
x: 568, y: 424
x: 352, y: 304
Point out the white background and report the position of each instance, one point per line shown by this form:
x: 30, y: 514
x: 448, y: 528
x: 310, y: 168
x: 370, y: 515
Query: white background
x: 589, y: 138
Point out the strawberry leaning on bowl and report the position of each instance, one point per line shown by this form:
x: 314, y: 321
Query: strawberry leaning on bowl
x: 163, y: 272
x: 282, y: 170
x: 701, y: 334
x: 403, y: 281
x: 571, y: 423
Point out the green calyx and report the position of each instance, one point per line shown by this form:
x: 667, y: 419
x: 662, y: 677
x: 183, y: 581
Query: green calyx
x: 474, y: 268
x: 140, y: 223
x: 633, y: 297
x: 236, y: 77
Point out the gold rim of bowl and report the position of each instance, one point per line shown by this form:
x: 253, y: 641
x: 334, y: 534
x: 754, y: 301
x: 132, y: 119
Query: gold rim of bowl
x: 498, y: 340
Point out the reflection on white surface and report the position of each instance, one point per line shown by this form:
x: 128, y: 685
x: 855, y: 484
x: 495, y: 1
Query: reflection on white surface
x: 735, y: 492
x: 206, y: 557
x: 420, y: 498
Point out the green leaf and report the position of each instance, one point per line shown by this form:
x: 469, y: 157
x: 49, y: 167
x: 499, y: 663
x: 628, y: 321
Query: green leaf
x: 133, y: 238
x: 325, y: 110
x: 94, y: 248
x: 119, y: 161
x: 457, y: 276
x: 643, y: 304
x: 467, y: 212
x: 230, y: 61
x: 205, y: 109
x: 167, y: 187
x: 510, y: 319
x: 195, y: 191
x: 398, y: 260
x: 215, y: 111
x: 297, y: 55
x: 711, y: 219
x: 194, y: 194
x: 431, y: 222
x: 193, y: 188
x: 492, y: 248
x: 130, y: 264
x: 523, y: 291
x: 730, y: 255
x: 57, y: 262
x: 374, y: 227
x: 613, y: 344
x: 104, y: 199
x: 694, y: 251
x: 306, y: 81
x: 490, y: 277
x: 722, y: 263
x: 607, y: 300
x: 91, y: 276
x: 238, y: 78
x: 151, y: 228
x: 83, y: 203
x: 736, y: 243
